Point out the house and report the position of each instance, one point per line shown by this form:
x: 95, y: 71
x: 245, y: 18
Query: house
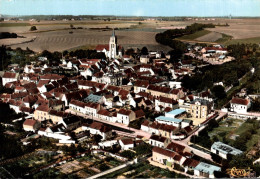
x: 141, y: 86
x: 126, y: 144
x: 16, y: 105
x: 56, y: 132
x: 190, y: 164
x: 159, y: 141
x: 31, y: 125
x: 30, y: 100
x: 166, y: 157
x: 177, y: 94
x: 71, y: 122
x: 168, y: 130
x: 92, y: 108
x: 169, y: 120
x: 200, y: 108
x: 223, y: 150
x: 125, y: 116
x: 97, y: 128
x: 163, y: 102
x: 78, y: 106
x: 57, y: 116
x: 105, y: 115
x: 159, y: 91
x: 205, y: 170
x: 180, y: 149
x: 9, y: 77
x: 161, y: 129
x: 240, y: 105
x: 144, y: 59
x: 42, y: 113
x: 26, y: 110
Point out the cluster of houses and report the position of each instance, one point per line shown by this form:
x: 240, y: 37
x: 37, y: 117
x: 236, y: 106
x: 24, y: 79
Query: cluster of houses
x: 115, y: 91
x: 215, y: 54
x: 172, y: 154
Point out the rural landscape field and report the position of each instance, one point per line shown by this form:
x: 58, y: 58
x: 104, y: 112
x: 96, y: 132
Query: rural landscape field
x: 59, y: 36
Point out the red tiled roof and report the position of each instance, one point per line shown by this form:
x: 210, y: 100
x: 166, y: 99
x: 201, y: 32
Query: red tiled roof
x: 124, y: 112
x: 29, y: 122
x: 100, y: 47
x: 100, y: 126
x: 140, y: 113
x: 190, y: 162
x: 188, y: 129
x: 9, y: 75
x: 104, y: 112
x: 78, y: 103
x: 175, y: 91
x: 44, y: 108
x: 167, y: 100
x: 158, y: 138
x: 145, y: 123
x: 176, y: 147
x: 141, y: 83
x: 164, y: 152
x: 240, y: 101
x: 127, y: 141
x: 159, y: 88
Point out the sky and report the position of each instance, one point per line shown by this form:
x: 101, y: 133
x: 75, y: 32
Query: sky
x: 132, y: 7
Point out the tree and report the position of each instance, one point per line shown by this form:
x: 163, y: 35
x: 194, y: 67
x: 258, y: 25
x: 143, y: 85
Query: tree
x: 33, y: 28
x: 216, y: 158
x: 143, y: 149
x: 219, y: 91
x: 144, y: 51
x: 128, y: 154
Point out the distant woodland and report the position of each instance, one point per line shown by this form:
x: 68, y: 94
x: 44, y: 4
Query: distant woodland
x: 5, y: 35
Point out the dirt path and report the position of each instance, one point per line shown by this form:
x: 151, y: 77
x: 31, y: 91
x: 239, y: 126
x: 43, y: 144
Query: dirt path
x: 196, y: 41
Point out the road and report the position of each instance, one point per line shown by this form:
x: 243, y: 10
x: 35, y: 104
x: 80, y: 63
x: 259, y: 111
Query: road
x: 147, y: 135
x: 136, y: 132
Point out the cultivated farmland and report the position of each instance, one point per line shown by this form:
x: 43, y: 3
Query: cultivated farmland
x: 57, y: 35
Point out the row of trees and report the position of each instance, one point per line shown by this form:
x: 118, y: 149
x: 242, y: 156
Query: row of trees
x: 166, y: 38
x: 228, y: 73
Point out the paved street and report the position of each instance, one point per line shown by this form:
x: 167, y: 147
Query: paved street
x: 147, y: 135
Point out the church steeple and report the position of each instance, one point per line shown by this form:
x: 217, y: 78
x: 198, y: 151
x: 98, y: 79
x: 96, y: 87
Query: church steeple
x: 113, y: 33
x: 113, y: 45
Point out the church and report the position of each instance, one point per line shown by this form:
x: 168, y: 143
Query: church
x: 111, y: 50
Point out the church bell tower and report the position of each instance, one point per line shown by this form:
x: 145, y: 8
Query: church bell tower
x: 113, y: 46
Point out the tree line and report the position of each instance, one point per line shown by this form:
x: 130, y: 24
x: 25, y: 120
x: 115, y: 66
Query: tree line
x: 5, y: 35
x: 167, y: 37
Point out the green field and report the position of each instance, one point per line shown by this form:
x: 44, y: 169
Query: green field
x: 255, y: 40
x: 195, y: 35
x: 13, y: 24
x: 225, y: 38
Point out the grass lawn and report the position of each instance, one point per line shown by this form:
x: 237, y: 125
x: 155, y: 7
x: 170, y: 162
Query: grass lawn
x: 255, y: 139
x: 243, y: 128
x: 13, y: 24
x: 195, y: 35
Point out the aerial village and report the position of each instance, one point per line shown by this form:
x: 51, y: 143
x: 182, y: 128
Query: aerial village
x: 113, y: 106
